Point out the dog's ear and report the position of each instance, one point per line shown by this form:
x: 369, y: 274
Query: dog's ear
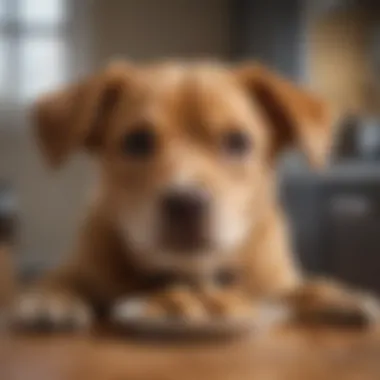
x: 75, y: 117
x: 296, y: 116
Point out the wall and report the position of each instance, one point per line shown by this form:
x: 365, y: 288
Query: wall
x: 271, y: 31
x: 51, y: 204
x: 146, y: 29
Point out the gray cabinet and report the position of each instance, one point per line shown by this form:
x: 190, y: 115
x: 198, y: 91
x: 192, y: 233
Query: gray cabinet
x: 335, y: 219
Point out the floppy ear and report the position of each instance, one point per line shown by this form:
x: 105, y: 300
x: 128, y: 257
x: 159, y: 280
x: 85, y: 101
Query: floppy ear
x: 296, y: 116
x: 75, y: 117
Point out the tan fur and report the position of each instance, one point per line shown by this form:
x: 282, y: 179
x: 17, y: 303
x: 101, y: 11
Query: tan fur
x: 190, y: 107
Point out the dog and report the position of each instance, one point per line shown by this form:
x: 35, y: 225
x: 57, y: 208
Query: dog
x: 186, y: 216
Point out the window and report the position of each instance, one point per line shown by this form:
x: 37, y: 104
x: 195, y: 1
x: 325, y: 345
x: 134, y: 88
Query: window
x: 33, y: 47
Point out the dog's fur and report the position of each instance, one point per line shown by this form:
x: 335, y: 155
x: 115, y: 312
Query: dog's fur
x: 190, y: 107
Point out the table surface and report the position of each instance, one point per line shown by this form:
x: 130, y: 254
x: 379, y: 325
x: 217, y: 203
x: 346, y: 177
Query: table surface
x: 290, y: 353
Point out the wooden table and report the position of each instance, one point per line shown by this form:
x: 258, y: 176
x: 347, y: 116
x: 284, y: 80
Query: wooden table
x: 288, y: 354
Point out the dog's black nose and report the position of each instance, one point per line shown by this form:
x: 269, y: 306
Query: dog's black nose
x: 185, y: 220
x: 185, y: 207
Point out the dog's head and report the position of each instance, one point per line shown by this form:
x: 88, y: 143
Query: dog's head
x: 186, y: 152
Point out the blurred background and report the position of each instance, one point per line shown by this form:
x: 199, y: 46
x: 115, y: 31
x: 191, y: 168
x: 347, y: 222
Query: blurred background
x: 331, y: 46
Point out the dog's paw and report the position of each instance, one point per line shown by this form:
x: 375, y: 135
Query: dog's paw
x: 331, y: 304
x: 359, y: 311
x: 50, y: 313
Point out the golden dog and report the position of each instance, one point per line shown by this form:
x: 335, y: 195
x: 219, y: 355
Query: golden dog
x: 186, y: 215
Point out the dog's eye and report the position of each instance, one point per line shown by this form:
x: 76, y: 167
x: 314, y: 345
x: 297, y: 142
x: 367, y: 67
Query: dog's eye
x: 139, y: 143
x: 236, y: 143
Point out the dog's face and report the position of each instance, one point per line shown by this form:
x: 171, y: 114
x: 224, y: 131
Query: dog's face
x: 184, y: 164
x: 186, y: 151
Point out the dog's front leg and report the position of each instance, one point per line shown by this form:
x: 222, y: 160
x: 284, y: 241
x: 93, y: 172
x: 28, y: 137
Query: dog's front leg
x: 325, y: 302
x: 54, y: 304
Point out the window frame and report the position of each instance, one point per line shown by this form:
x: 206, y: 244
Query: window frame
x: 74, y: 33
